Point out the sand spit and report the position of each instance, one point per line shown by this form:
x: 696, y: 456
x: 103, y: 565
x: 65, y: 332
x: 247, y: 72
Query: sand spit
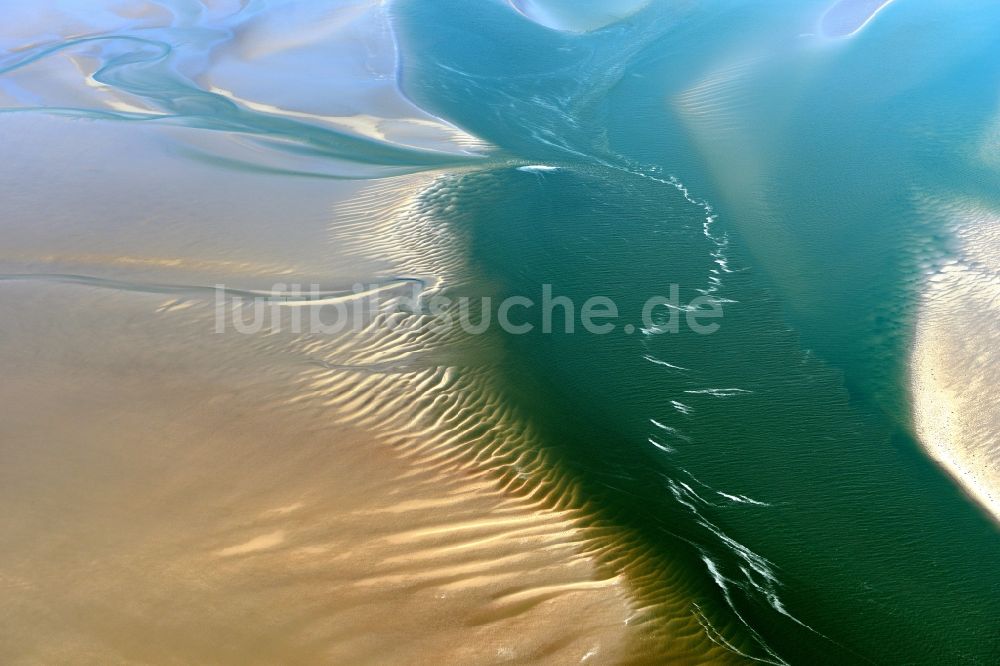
x: 955, y: 364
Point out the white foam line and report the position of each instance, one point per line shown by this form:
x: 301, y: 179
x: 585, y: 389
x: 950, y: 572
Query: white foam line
x: 719, y: 392
x: 536, y: 168
x: 653, y: 359
x: 741, y: 499
x: 662, y: 447
x: 681, y: 407
x: 871, y: 17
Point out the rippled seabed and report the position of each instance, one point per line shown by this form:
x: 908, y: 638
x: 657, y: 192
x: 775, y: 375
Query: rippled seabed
x: 814, y: 483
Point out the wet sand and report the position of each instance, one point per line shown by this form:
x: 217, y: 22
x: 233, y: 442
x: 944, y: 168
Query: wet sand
x: 955, y: 367
x: 174, y: 495
x: 169, y: 498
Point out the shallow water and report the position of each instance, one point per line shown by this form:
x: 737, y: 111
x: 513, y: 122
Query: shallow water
x: 757, y: 493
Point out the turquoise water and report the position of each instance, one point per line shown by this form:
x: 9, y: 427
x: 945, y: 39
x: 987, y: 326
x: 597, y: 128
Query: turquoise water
x: 854, y: 546
x: 726, y: 148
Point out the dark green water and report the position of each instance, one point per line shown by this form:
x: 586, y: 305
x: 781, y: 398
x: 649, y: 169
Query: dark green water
x: 800, y: 501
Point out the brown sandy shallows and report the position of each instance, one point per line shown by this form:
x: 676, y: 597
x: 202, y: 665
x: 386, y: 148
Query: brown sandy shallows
x: 176, y: 496
x: 165, y: 502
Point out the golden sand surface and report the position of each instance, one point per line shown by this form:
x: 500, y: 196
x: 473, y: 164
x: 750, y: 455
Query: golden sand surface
x: 176, y: 495
x: 955, y: 365
x: 166, y: 500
